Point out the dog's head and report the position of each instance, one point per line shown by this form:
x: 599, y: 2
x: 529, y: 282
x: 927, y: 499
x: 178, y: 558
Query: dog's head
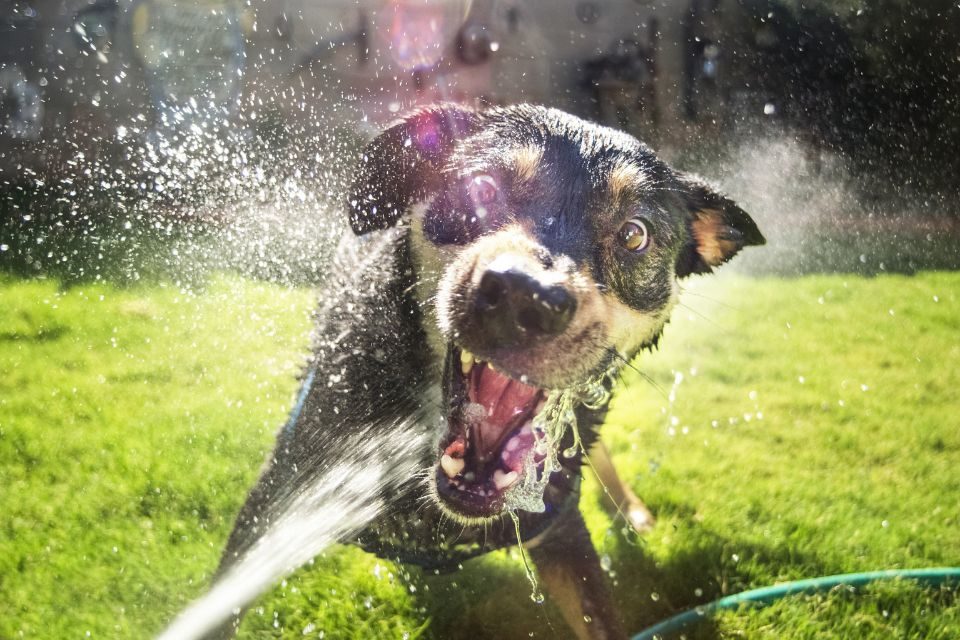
x: 548, y: 249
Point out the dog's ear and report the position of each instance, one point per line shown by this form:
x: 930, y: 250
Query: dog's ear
x: 403, y: 164
x: 717, y: 227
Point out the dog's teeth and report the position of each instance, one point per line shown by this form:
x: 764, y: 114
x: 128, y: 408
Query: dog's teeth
x: 503, y: 480
x: 451, y: 466
x: 466, y: 361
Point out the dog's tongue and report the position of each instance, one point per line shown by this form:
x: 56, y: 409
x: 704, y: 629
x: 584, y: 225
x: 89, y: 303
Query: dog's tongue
x: 505, y: 402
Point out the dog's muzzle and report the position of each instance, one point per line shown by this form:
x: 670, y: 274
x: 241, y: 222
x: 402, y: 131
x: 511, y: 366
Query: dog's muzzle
x: 516, y: 309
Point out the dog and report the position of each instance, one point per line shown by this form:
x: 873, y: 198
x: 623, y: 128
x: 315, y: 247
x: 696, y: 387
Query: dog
x: 516, y: 258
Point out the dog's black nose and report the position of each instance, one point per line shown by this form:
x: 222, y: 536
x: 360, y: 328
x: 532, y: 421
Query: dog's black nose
x: 513, y: 306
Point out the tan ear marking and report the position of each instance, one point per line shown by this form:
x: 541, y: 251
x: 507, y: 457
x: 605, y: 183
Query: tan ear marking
x: 712, y: 237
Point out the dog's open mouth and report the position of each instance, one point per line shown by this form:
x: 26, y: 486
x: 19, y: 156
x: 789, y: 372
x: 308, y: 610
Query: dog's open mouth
x: 492, y: 442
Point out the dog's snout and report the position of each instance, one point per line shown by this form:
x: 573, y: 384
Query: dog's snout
x: 492, y: 291
x: 514, y: 306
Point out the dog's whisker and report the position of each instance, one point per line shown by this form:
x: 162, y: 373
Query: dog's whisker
x: 703, y: 316
x: 455, y: 539
x: 688, y: 292
x: 653, y: 383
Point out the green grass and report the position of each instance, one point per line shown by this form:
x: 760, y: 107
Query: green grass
x: 814, y: 431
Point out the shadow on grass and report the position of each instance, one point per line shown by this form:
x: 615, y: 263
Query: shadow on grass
x: 490, y: 598
x: 709, y: 566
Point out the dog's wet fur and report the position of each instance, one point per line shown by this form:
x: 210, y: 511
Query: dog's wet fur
x: 509, y: 255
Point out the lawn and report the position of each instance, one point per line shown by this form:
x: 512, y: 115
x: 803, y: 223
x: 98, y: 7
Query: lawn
x: 787, y: 428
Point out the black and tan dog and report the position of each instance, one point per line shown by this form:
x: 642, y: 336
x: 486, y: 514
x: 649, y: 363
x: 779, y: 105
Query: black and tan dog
x: 520, y: 257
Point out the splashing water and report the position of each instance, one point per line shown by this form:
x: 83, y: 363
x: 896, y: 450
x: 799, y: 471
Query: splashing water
x: 252, y: 193
x: 536, y: 594
x: 323, y: 506
x: 549, y: 427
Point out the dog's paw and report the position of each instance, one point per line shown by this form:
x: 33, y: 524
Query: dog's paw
x: 638, y: 515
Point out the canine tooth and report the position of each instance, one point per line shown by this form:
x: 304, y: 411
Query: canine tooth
x: 451, y: 466
x: 503, y: 480
x: 466, y: 361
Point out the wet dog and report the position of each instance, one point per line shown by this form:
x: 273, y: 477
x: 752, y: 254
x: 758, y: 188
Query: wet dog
x: 514, y: 260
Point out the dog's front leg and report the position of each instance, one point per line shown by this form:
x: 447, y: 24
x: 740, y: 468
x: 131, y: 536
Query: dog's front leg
x: 570, y: 571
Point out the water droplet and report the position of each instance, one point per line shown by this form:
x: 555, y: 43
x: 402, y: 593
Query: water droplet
x: 605, y: 562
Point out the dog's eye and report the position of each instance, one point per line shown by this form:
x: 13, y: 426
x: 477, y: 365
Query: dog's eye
x: 633, y: 236
x: 483, y: 190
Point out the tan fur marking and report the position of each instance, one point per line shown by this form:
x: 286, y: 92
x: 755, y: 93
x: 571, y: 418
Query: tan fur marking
x: 707, y: 230
x: 561, y: 584
x: 526, y: 162
x: 623, y: 180
x: 629, y: 329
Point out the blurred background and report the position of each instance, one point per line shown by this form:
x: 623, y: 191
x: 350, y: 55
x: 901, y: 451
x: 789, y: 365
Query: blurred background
x: 835, y: 117
x: 171, y: 180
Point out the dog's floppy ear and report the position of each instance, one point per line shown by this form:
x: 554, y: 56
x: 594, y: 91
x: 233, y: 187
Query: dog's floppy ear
x: 403, y: 164
x: 717, y: 227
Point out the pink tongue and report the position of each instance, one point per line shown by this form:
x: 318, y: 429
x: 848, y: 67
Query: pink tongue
x: 503, y: 398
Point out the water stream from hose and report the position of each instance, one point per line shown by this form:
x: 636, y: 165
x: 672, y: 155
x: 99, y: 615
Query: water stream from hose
x: 324, y: 505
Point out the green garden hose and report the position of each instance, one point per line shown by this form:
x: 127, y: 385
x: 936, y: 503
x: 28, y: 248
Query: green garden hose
x: 766, y: 595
